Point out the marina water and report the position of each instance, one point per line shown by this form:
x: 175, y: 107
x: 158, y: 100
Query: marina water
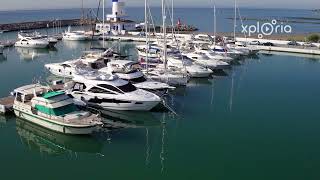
x: 259, y: 120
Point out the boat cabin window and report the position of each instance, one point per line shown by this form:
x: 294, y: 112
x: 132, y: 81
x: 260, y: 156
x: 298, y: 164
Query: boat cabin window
x: 100, y: 90
x: 28, y: 97
x: 109, y: 87
x: 19, y: 97
x: 66, y: 65
x: 79, y: 87
x: 94, y: 65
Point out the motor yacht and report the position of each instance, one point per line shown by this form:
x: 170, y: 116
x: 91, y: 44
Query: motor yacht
x: 183, y: 62
x: 32, y: 42
x: 153, y: 53
x: 130, y: 71
x: 87, y: 62
x: 105, y: 91
x: 75, y: 35
x: 51, y: 40
x: 212, y: 55
x: 53, y: 110
x: 240, y: 46
x: 171, y: 76
x: 226, y: 51
x: 202, y: 59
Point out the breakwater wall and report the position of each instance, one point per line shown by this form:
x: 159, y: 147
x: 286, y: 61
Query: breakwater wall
x: 43, y: 24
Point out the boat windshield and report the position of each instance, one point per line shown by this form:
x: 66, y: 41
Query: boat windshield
x: 219, y: 50
x: 138, y: 80
x: 127, y: 88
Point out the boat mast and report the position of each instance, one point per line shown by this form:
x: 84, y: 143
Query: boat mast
x: 103, y: 24
x: 164, y: 34
x: 235, y: 20
x: 146, y: 33
x: 214, y: 24
x: 173, y: 28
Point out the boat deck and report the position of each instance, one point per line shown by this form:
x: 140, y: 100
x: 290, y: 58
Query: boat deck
x: 6, y: 104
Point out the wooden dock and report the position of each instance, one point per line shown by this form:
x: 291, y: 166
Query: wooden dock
x: 6, y: 105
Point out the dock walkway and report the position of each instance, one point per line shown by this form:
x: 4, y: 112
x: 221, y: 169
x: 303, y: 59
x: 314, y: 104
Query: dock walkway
x: 6, y: 104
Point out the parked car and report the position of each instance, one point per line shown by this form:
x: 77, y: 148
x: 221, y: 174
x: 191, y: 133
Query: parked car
x: 307, y: 44
x: 267, y: 44
x: 293, y: 43
x: 255, y: 43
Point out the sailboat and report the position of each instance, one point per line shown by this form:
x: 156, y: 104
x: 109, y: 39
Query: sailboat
x: 175, y: 77
x: 239, y: 46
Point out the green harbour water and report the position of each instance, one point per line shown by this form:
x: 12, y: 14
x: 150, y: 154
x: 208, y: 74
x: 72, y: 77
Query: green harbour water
x: 260, y: 120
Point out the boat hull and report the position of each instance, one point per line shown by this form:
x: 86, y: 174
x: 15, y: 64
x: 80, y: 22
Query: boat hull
x: 199, y: 75
x: 37, y: 46
x: 76, y: 38
x: 172, y: 81
x: 43, y: 122
x: 145, y: 106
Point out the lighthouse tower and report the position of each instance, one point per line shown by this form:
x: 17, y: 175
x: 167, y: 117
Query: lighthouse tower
x: 118, y: 11
x: 116, y: 22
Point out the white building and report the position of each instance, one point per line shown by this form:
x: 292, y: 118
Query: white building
x: 116, y: 22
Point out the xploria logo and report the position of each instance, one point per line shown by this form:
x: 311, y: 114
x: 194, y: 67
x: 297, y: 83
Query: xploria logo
x: 266, y: 29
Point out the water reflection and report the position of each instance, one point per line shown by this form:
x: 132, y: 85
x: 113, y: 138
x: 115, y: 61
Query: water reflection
x: 3, y: 119
x: 45, y: 141
x: 77, y: 44
x: 123, y: 119
x: 33, y: 54
x: 197, y: 82
x: 2, y: 58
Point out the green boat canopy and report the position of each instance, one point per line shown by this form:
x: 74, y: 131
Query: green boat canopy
x: 61, y: 111
x: 52, y: 94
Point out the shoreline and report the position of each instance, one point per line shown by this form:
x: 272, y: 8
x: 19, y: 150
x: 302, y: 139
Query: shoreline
x: 283, y: 37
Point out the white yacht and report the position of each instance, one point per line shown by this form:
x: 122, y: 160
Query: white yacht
x: 32, y: 42
x: 240, y: 46
x: 203, y: 60
x: 1, y: 49
x: 105, y: 91
x: 168, y: 76
x: 216, y: 56
x: 87, y: 62
x: 126, y: 70
x: 130, y: 71
x: 153, y: 55
x: 53, y: 110
x: 51, y: 40
x: 75, y: 35
x: 226, y: 51
x: 182, y: 62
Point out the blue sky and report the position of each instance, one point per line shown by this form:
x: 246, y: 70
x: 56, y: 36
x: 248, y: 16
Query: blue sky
x: 52, y: 4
